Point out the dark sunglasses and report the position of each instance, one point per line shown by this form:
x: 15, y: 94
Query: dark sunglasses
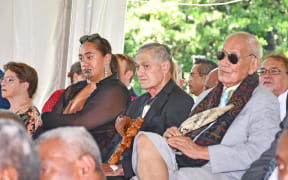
x: 91, y: 37
x: 233, y: 58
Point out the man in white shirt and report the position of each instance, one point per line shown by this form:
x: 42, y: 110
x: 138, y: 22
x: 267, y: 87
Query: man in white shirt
x: 274, y: 76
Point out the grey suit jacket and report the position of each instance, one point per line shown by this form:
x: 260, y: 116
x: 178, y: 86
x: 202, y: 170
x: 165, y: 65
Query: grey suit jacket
x: 260, y: 167
x: 250, y: 134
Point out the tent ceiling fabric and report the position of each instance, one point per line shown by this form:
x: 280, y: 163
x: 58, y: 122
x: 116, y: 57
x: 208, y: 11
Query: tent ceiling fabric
x: 45, y: 35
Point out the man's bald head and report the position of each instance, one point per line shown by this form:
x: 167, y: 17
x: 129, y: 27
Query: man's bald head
x: 254, y: 47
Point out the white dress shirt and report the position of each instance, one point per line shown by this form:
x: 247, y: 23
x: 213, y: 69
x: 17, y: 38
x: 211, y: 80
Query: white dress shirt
x: 282, y: 100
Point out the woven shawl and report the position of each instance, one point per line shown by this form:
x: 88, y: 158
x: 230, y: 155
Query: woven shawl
x: 216, y: 132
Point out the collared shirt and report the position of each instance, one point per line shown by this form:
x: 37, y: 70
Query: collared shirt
x: 231, y: 90
x: 226, y: 95
x: 282, y: 100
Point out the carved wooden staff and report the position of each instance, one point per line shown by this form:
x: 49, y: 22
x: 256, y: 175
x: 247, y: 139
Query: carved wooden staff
x: 127, y: 128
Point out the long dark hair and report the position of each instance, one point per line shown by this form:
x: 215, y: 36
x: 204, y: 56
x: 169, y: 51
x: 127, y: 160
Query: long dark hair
x: 103, y: 46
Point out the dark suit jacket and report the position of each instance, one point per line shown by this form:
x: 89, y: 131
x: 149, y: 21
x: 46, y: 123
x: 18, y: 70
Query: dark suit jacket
x: 170, y: 108
x: 259, y: 168
x: 132, y: 93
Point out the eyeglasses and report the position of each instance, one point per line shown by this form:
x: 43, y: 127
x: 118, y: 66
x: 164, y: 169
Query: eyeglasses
x: 7, y: 79
x: 272, y: 71
x: 85, y: 38
x: 233, y: 58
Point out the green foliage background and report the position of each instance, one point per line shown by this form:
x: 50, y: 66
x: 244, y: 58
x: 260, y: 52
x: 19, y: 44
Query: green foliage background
x: 192, y: 30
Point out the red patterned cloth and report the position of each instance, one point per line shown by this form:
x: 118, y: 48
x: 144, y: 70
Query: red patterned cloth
x: 48, y: 106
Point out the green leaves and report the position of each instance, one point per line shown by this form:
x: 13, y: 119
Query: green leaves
x: 194, y: 30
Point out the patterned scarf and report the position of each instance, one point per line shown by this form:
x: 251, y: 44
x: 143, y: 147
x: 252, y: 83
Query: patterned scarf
x: 214, y: 134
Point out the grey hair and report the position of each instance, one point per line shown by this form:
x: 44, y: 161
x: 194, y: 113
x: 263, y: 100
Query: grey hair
x: 18, y: 150
x: 11, y: 116
x: 254, y: 45
x: 159, y: 51
x: 78, y: 139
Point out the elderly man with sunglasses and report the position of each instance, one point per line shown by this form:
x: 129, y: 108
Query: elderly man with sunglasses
x: 230, y: 125
x: 272, y: 75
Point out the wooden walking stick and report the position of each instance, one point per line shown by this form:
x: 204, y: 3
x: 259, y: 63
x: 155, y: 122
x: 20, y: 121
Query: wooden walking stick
x: 127, y: 128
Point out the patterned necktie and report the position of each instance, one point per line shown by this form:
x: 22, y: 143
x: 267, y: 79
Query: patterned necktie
x: 224, y: 98
x: 272, y: 166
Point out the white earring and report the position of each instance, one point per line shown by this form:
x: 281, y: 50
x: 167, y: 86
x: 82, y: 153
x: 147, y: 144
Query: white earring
x: 105, y: 71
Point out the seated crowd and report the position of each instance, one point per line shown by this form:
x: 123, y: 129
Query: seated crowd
x: 235, y: 129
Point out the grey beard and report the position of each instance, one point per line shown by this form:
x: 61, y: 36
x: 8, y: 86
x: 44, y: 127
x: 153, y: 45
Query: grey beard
x: 88, y: 73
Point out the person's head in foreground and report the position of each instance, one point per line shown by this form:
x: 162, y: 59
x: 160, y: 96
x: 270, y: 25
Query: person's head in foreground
x: 282, y: 156
x: 18, y: 156
x: 69, y: 153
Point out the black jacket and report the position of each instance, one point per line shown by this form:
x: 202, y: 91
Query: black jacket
x: 170, y: 108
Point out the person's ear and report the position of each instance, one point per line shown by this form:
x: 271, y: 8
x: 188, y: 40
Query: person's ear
x: 85, y: 165
x: 107, y: 59
x: 254, y: 65
x: 75, y: 78
x: 129, y: 75
x: 25, y: 85
x: 166, y: 66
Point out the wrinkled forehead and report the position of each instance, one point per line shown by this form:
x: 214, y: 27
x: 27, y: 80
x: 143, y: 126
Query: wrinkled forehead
x: 237, y: 45
x: 54, y: 147
x: 273, y: 62
x: 146, y: 56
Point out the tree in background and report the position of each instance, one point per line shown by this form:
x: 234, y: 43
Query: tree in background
x: 200, y: 30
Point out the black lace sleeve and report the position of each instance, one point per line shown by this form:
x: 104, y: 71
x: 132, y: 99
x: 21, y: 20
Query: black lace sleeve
x: 108, y: 101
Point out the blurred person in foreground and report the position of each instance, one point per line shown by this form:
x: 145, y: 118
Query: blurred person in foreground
x: 18, y: 156
x: 282, y: 156
x: 69, y: 153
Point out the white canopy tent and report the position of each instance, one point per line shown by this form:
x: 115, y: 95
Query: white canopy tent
x: 45, y: 34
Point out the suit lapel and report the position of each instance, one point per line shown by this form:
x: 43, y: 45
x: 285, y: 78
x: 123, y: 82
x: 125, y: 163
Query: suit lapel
x: 161, y: 100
